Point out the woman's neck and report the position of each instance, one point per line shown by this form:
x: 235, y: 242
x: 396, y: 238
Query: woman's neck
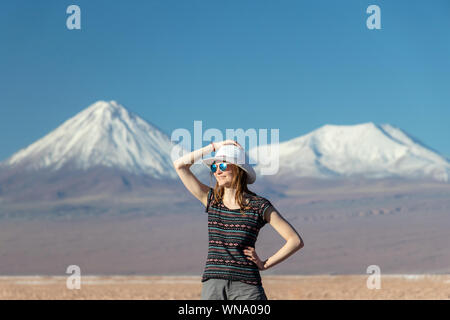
x: 229, y: 196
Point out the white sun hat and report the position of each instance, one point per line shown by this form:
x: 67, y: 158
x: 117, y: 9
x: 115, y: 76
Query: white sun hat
x: 236, y: 155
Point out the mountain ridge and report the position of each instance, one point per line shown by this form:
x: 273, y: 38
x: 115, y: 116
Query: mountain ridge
x: 105, y: 133
x: 108, y: 134
x: 367, y: 149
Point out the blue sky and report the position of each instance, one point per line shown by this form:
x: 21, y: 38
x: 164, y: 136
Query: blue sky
x: 291, y: 65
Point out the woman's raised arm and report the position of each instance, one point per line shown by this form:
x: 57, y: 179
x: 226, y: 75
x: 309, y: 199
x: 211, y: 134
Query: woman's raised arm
x: 182, y: 167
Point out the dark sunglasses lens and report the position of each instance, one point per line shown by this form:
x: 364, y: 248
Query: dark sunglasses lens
x: 223, y: 166
x: 214, y: 167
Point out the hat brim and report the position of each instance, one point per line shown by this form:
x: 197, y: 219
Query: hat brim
x: 209, y: 161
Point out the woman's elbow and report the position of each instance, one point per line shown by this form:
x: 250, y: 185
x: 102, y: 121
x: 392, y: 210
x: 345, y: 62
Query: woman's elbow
x: 177, y: 164
x: 298, y: 243
x: 180, y: 164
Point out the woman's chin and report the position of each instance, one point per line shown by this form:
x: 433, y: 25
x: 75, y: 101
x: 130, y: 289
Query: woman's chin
x: 222, y: 183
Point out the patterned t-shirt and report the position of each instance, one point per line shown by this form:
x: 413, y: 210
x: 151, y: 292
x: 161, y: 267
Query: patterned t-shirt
x: 229, y: 231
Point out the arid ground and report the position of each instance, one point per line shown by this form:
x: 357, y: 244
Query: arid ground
x: 400, y: 227
x: 328, y: 287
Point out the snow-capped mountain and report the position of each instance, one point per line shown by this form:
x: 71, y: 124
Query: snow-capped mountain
x: 104, y: 134
x: 368, y: 150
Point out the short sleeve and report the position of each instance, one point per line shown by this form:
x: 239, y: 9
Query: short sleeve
x: 208, y: 201
x: 265, y: 205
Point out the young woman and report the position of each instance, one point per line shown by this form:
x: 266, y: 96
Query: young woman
x: 235, y: 216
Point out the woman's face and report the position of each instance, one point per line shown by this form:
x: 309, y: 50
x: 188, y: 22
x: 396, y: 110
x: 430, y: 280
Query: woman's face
x: 224, y: 178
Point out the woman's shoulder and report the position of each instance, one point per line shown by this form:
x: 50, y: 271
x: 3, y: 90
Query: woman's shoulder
x: 259, y: 201
x: 257, y: 197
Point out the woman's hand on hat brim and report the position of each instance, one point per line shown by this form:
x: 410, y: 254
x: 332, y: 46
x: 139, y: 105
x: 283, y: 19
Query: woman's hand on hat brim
x: 227, y: 142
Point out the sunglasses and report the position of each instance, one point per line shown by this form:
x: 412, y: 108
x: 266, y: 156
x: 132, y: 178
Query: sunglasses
x: 222, y: 166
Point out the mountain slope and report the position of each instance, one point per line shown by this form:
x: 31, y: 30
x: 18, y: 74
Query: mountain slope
x: 368, y: 150
x: 107, y: 150
x: 104, y: 134
x: 104, y: 151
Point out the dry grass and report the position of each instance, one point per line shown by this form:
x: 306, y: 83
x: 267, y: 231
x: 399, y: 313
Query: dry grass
x: 346, y: 287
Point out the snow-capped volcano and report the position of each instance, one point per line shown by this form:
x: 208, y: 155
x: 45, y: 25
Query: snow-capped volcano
x: 104, y: 134
x: 369, y: 150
